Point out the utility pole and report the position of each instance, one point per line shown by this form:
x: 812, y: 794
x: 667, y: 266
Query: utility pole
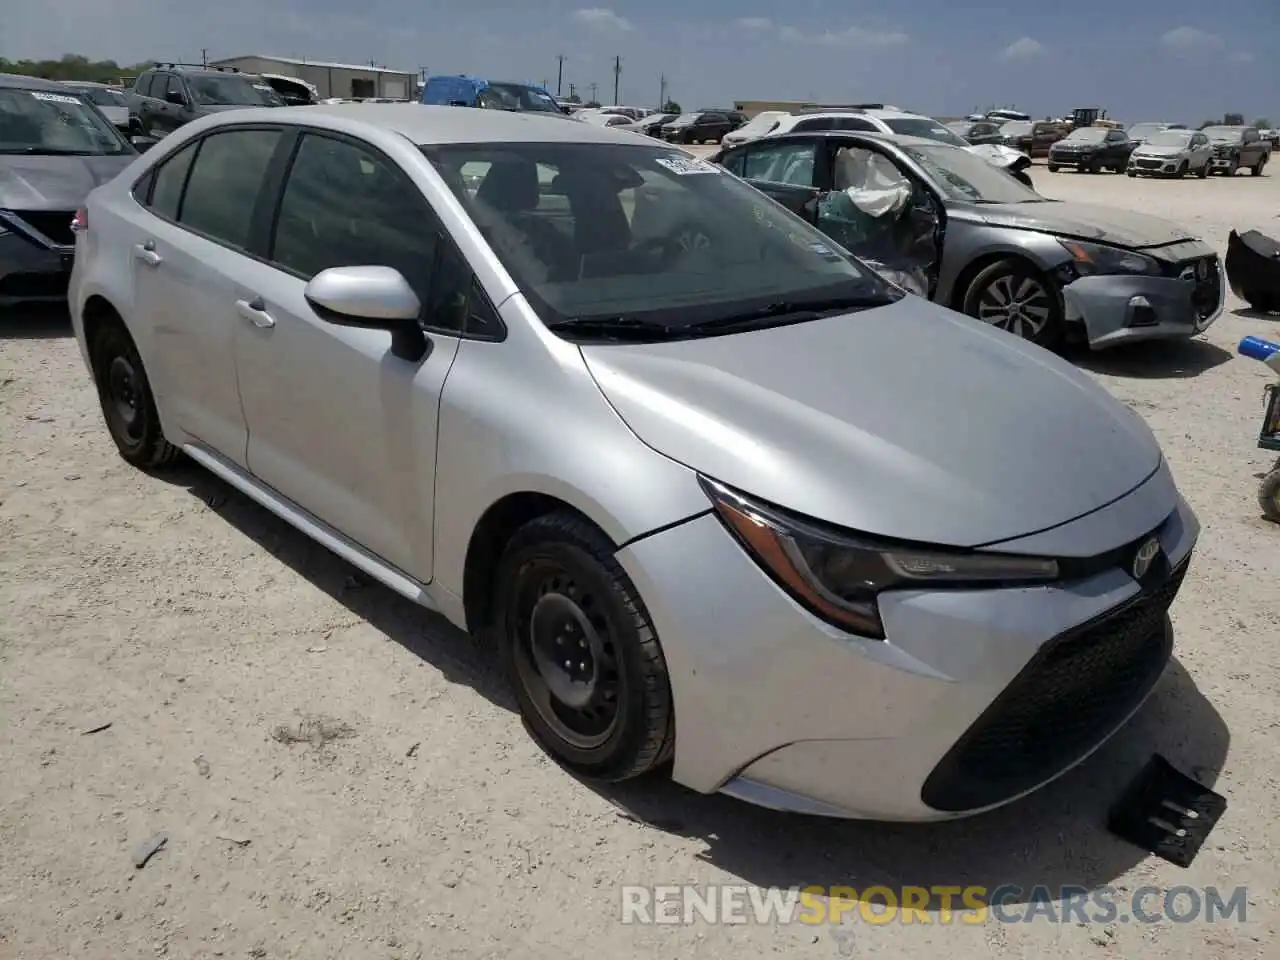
x: 662, y: 91
x: 594, y: 87
x: 617, y: 77
x: 204, y: 57
x: 559, y: 73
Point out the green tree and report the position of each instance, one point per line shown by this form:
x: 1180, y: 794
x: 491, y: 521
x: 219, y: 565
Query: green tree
x: 1263, y: 123
x: 72, y: 66
x: 671, y: 107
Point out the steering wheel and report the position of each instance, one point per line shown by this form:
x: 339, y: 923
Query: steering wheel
x: 670, y: 247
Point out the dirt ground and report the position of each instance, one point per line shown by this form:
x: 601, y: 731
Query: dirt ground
x: 416, y: 819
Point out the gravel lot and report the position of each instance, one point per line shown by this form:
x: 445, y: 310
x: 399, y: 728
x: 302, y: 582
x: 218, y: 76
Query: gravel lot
x: 419, y: 821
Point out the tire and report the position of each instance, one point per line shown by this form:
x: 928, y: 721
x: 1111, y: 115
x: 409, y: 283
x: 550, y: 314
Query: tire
x: 1132, y: 173
x: 1256, y: 169
x: 1039, y: 300
x: 1204, y: 171
x: 1231, y: 170
x: 560, y: 587
x: 1182, y: 170
x: 1269, y: 495
x: 1051, y: 167
x: 128, y: 405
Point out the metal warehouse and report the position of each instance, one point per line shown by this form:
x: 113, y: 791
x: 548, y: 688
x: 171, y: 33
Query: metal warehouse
x: 347, y: 80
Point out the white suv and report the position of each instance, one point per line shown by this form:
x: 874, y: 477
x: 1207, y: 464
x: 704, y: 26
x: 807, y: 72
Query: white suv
x: 878, y: 119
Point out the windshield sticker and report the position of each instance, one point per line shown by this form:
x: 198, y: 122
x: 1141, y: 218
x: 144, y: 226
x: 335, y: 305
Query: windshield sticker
x: 684, y: 166
x: 54, y: 97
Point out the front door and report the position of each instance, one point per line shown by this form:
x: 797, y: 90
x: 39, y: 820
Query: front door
x: 786, y: 170
x: 336, y: 422
x: 882, y: 214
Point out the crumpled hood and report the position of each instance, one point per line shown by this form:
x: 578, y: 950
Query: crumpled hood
x: 54, y: 183
x: 1084, y: 221
x: 909, y: 421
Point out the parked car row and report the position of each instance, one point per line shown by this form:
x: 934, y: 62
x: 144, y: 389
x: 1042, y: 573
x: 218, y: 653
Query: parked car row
x: 358, y: 316
x: 1171, y: 151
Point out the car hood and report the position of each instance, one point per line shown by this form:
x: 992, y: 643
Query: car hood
x: 1146, y: 150
x: 909, y: 421
x: 54, y: 183
x: 1084, y: 221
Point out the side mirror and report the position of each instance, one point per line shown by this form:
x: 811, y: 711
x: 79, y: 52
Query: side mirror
x: 143, y: 144
x: 176, y: 98
x: 377, y: 298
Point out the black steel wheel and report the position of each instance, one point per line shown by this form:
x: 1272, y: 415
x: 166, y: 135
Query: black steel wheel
x: 581, y: 652
x: 1269, y: 494
x: 128, y: 405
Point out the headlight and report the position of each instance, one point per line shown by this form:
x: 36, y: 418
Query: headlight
x: 1091, y: 259
x: 839, y: 576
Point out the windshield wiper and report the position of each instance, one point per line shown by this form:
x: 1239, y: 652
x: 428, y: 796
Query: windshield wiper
x: 799, y: 311
x: 48, y: 152
x: 619, y: 328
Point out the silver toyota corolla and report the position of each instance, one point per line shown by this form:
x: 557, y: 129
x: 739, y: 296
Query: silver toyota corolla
x: 684, y: 462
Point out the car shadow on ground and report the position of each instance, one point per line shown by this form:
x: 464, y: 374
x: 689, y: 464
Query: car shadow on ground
x: 44, y: 322
x: 1055, y: 838
x: 1153, y: 360
x: 1250, y: 313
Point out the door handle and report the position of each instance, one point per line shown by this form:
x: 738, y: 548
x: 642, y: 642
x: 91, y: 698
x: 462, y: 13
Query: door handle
x: 255, y: 311
x: 146, y: 252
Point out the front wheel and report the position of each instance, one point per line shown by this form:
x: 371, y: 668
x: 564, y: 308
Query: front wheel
x: 128, y: 405
x: 1256, y: 169
x: 1269, y: 495
x: 1182, y: 170
x: 581, y: 653
x: 1052, y: 167
x: 1204, y: 171
x: 1017, y: 298
x: 1132, y: 173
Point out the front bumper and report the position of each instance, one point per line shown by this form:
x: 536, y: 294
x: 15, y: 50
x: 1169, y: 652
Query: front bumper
x: 1077, y: 160
x: 1129, y: 308
x: 32, y: 272
x: 1158, y: 166
x: 780, y: 709
x: 1224, y: 161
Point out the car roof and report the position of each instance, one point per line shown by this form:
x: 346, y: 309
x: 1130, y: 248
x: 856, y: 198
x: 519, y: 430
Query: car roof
x: 901, y: 140
x: 29, y: 83
x: 429, y: 125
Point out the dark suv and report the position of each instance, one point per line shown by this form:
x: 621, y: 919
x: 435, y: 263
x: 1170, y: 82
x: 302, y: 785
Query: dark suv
x: 704, y: 126
x: 1236, y: 148
x: 172, y: 94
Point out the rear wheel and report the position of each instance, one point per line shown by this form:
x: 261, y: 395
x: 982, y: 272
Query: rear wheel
x: 1269, y: 495
x: 1014, y: 296
x: 581, y: 652
x: 128, y: 405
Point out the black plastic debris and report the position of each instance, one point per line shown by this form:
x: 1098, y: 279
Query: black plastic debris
x: 1166, y: 812
x: 148, y: 849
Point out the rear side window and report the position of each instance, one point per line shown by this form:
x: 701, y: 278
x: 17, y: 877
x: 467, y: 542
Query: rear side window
x: 169, y: 179
x: 224, y: 184
x: 143, y: 84
x: 817, y: 123
x: 346, y: 206
x: 853, y: 123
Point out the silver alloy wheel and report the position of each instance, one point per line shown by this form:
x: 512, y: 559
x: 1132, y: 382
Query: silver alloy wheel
x: 1018, y: 304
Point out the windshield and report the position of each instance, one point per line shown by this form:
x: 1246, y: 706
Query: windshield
x: 102, y: 96
x: 38, y: 122
x: 1169, y: 138
x: 761, y: 121
x: 965, y: 177
x: 1144, y: 131
x: 1224, y: 134
x: 516, y: 96
x: 601, y: 231
x: 1088, y: 135
x: 225, y: 89
x: 1016, y: 128
x: 922, y: 127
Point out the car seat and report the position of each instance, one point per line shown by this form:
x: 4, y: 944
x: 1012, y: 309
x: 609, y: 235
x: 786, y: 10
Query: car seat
x: 511, y: 191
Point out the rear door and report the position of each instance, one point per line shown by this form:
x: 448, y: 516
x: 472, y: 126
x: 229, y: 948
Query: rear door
x: 786, y: 170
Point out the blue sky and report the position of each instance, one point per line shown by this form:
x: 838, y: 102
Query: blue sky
x: 1181, y: 60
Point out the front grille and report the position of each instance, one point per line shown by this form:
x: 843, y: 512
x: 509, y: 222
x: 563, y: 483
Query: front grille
x: 1148, y: 164
x: 54, y: 224
x: 1076, y: 690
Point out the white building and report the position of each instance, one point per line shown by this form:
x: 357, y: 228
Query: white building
x: 346, y: 80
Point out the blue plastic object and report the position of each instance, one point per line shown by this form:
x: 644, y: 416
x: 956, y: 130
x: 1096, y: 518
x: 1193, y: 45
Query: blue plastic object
x: 1255, y: 348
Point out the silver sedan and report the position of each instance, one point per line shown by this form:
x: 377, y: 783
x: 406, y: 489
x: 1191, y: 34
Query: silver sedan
x: 679, y: 458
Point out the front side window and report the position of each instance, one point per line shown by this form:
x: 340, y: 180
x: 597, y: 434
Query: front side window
x: 346, y: 206
x: 595, y: 231
x: 44, y: 123
x: 223, y: 186
x: 229, y: 89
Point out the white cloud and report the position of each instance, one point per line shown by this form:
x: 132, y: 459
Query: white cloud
x: 1183, y: 39
x: 1242, y: 56
x: 853, y: 37
x: 754, y: 23
x: 602, y: 18
x: 1024, y: 48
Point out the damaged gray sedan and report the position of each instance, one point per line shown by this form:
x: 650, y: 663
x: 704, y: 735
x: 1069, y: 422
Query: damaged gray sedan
x: 947, y: 225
